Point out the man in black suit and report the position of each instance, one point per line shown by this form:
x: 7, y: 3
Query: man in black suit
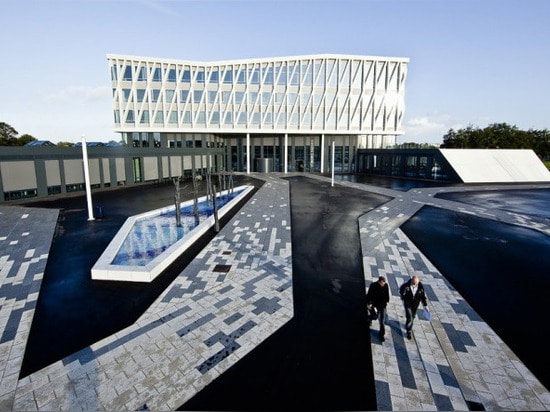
x: 378, y: 296
x: 412, y: 293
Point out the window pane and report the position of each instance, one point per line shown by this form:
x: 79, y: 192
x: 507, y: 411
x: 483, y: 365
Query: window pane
x: 186, y: 76
x: 228, y: 77
x: 144, y: 117
x: 184, y: 94
x: 157, y: 75
x: 159, y: 117
x: 169, y: 95
x: 172, y: 75
x: 142, y: 74
x: 127, y: 73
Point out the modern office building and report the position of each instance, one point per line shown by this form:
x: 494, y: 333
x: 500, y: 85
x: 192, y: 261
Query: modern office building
x: 275, y: 114
x: 279, y: 114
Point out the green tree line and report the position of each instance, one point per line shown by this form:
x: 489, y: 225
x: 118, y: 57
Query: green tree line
x: 499, y: 136
x: 10, y: 137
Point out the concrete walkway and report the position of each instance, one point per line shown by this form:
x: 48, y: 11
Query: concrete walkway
x: 235, y: 294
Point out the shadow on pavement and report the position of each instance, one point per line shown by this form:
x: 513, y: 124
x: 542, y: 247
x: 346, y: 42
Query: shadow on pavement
x: 321, y: 359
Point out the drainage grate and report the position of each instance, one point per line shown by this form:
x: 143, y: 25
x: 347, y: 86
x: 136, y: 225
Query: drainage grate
x: 222, y: 268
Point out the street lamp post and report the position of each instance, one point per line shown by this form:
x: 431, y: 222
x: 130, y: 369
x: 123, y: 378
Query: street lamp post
x: 87, y: 179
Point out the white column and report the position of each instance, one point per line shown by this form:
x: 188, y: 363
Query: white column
x: 247, y: 153
x: 332, y: 184
x: 87, y: 179
x: 286, y: 153
x: 322, y: 153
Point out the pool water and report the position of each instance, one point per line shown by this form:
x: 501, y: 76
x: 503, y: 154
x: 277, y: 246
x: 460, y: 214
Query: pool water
x: 151, y: 236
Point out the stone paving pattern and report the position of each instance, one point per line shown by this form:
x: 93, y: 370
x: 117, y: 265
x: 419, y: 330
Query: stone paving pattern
x: 236, y: 293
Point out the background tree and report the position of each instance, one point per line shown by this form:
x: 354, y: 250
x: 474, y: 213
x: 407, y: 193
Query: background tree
x: 499, y: 136
x: 8, y: 135
x: 24, y: 139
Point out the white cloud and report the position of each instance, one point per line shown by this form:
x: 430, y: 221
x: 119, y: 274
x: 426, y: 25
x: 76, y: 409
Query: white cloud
x: 429, y: 128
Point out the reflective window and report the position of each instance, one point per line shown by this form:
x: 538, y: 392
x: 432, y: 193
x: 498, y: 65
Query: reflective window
x: 126, y: 94
x: 173, y: 117
x: 140, y: 94
x: 117, y: 116
x: 127, y: 73
x: 306, y: 74
x: 184, y: 94
x: 212, y: 96
x: 239, y: 97
x: 144, y: 140
x: 268, y: 75
x: 144, y: 117
x: 201, y: 119
x: 294, y: 73
x: 156, y: 137
x: 114, y: 76
x: 186, y: 76
x: 142, y: 74
x: 265, y: 98
x: 172, y: 75
x: 292, y: 97
x: 200, y: 75
x: 159, y: 117
x: 186, y: 117
x: 169, y: 95
x: 281, y: 75
x: 157, y: 75
x: 130, y: 116
x: 215, y: 76
x: 226, y: 96
x: 242, y: 118
x: 252, y: 97
x: 255, y: 118
x: 268, y: 118
x: 155, y: 93
x: 228, y: 77
x: 228, y: 118
x: 197, y: 96
x: 242, y: 77
x: 215, y: 120
x: 254, y: 75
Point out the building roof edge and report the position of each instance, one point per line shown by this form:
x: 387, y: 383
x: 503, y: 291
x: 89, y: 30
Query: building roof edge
x: 258, y: 60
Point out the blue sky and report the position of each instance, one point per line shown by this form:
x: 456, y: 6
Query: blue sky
x: 472, y: 62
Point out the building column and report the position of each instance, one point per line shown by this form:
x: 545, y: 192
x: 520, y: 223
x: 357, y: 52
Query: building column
x: 322, y: 153
x: 286, y: 153
x: 248, y: 153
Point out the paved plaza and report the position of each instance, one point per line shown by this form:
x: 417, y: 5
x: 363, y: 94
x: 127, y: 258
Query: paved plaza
x: 237, y: 292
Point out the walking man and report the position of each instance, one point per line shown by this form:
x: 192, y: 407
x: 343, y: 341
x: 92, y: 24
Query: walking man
x: 412, y: 293
x: 378, y: 296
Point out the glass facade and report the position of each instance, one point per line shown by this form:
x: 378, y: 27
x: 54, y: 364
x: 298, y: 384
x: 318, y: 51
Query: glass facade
x: 321, y: 97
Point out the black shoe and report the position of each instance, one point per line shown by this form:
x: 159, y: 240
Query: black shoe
x: 409, y: 336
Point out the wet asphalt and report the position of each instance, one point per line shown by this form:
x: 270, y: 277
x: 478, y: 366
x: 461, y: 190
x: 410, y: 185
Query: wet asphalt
x: 321, y: 359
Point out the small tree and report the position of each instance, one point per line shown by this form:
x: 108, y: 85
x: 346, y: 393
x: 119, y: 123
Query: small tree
x: 8, y: 135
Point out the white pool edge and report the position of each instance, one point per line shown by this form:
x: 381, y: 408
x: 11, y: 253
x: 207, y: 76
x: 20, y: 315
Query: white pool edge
x: 104, y: 270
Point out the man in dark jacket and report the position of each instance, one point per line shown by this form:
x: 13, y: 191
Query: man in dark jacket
x: 412, y: 293
x: 378, y: 296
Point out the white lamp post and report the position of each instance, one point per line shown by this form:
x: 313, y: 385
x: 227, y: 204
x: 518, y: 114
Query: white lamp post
x: 87, y: 179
